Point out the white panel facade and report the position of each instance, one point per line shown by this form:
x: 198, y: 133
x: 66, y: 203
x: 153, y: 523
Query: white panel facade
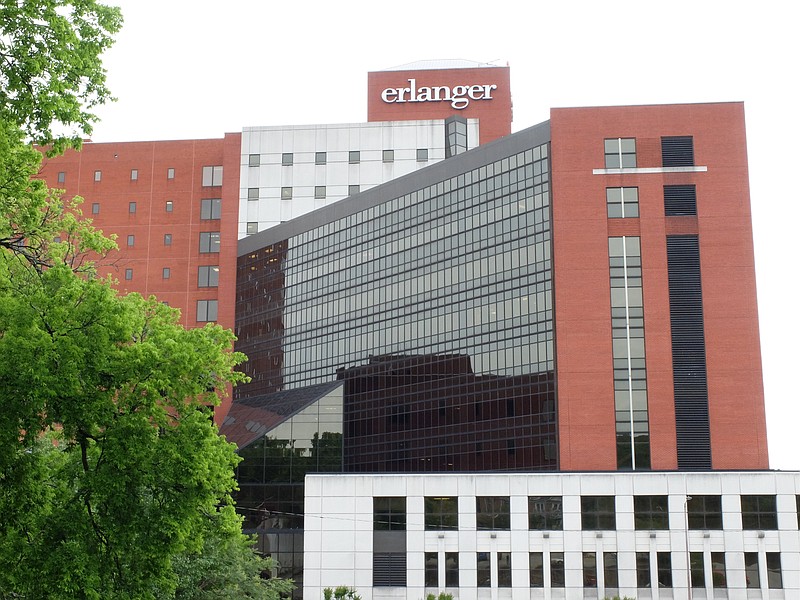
x: 761, y: 563
x: 290, y: 171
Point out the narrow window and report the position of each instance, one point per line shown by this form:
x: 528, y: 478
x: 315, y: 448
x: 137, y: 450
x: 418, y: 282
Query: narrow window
x: 504, y: 569
x: 98, y: 175
x: 557, y: 569
x: 128, y: 274
x: 536, y: 567
x: 168, y: 206
x: 751, y: 574
x: 431, y: 569
x: 451, y: 569
x: 642, y: 569
x: 134, y: 174
x: 719, y: 577
x: 664, y: 561
x: 610, y: 570
x: 698, y: 571
x: 132, y: 207
x: 484, y: 569
x: 95, y: 208
x: 62, y: 177
x: 131, y: 240
x: 165, y: 273
x: 774, y: 574
x: 170, y: 173
x: 589, y: 570
x: 168, y: 239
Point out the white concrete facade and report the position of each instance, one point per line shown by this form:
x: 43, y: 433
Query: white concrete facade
x: 339, y: 534
x: 272, y: 191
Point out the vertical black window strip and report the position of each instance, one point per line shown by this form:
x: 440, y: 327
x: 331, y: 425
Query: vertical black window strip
x: 688, y: 353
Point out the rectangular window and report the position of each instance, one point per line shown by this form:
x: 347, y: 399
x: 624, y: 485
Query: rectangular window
x: 719, y: 577
x: 286, y: 193
x: 620, y: 153
x: 207, y: 276
x: 170, y: 173
x: 134, y: 174
x: 557, y: 569
x: 252, y: 227
x: 353, y: 189
x: 254, y: 160
x: 95, y: 208
x: 622, y: 202
x: 388, y: 156
x: 642, y: 569
x: 484, y: 569
x: 610, y: 569
x: 422, y: 154
x: 168, y: 206
x: 62, y: 177
x: 131, y: 240
x: 132, y: 208
x: 389, y: 569
x: 698, y: 570
x: 774, y: 574
x: 287, y: 159
x: 751, y: 575
x: 206, y: 310
x: 431, y: 569
x: 209, y: 241
x: 441, y: 513
x: 677, y: 151
x: 504, y: 569
x: 451, y: 569
x: 680, y: 200
x: 320, y: 158
x: 128, y: 274
x: 705, y: 512
x: 650, y: 512
x: 664, y: 561
x: 545, y: 513
x: 210, y: 208
x: 536, y: 567
x: 98, y: 175
x: 597, y: 513
x: 389, y: 514
x: 252, y: 193
x: 168, y: 239
x: 354, y: 157
x: 165, y: 273
x: 319, y: 192
x: 493, y: 512
x: 589, y: 570
x: 212, y: 176
x: 759, y: 512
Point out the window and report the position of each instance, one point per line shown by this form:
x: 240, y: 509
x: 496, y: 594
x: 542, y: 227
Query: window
x: 451, y: 569
x: 168, y: 206
x: 165, y: 273
x: 354, y: 157
x: 680, y: 200
x: 252, y: 193
x: 170, y: 173
x: 664, y: 563
x: 210, y: 208
x: 484, y: 569
x: 705, y: 512
x: 131, y: 240
x: 622, y: 202
x: 774, y: 575
x: 209, y: 241
x: 597, y: 512
x: 389, y: 569
x: 422, y: 154
x: 62, y: 177
x: 431, y: 569
x: 492, y: 512
x: 620, y: 153
x: 134, y: 174
x: 697, y: 570
x: 132, y: 208
x: 353, y: 189
x: 642, y: 569
x: 610, y: 570
x: 504, y: 569
x: 254, y: 160
x: 589, y: 570
x: 286, y: 193
x: 252, y: 227
x: 212, y: 176
x: 752, y: 579
x: 677, y: 151
x: 759, y: 512
x: 455, y: 136
x: 536, y: 568
x: 128, y: 274
x: 545, y: 513
x: 206, y: 310
x: 650, y: 512
x: 388, y: 156
x: 557, y: 569
x: 389, y: 514
x: 95, y: 208
x: 320, y: 158
x: 98, y: 175
x: 719, y: 579
x: 208, y: 276
x: 287, y: 159
x: 441, y: 513
x: 319, y: 192
x: 168, y: 239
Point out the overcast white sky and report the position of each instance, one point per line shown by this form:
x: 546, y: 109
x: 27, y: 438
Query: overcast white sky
x: 200, y: 68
